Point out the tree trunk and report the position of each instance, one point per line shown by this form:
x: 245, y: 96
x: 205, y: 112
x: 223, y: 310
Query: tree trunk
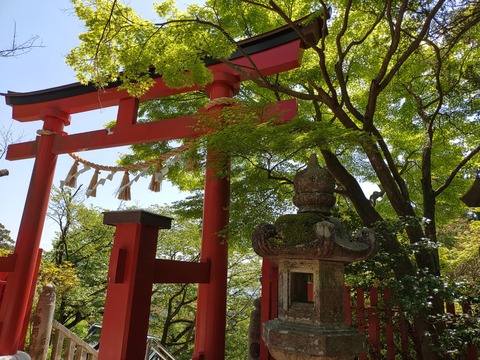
x: 368, y: 214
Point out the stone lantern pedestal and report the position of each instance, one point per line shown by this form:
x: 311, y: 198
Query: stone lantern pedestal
x: 311, y: 249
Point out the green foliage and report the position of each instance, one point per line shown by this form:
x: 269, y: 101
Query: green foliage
x: 62, y: 276
x: 77, y: 265
x: 461, y: 256
x: 461, y: 266
x: 6, y: 242
x: 417, y: 294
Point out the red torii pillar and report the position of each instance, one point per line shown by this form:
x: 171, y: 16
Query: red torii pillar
x: 212, y: 297
x: 15, y: 303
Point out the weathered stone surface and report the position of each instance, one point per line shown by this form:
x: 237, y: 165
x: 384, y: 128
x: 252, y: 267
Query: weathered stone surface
x: 312, y: 236
x: 314, y: 187
x: 328, y: 299
x: 311, y: 249
x: 292, y: 341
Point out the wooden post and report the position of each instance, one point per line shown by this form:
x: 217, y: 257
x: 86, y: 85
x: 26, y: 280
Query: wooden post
x: 389, y: 329
x: 348, y: 306
x: 42, y: 324
x: 130, y: 280
x: 15, y: 304
x: 212, y: 297
x: 269, y: 308
x: 26, y: 321
x: 373, y: 324
x: 361, y: 317
x: 403, y: 334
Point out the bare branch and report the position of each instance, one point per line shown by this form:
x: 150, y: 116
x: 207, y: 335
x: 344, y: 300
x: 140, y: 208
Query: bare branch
x: 19, y: 48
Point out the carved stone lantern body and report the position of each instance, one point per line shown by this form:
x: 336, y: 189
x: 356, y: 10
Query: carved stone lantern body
x: 311, y: 249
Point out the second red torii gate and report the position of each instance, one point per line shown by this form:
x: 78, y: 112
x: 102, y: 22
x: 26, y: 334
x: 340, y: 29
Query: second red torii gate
x: 277, y: 51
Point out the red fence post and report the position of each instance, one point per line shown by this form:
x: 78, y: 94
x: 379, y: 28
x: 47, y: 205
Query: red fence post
x: 472, y: 352
x: 130, y: 280
x: 269, y: 309
x: 403, y: 334
x: 374, y: 324
x: 348, y: 306
x: 361, y: 317
x: 389, y: 330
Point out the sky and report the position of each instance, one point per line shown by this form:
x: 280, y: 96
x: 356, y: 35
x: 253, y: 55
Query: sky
x: 55, y: 24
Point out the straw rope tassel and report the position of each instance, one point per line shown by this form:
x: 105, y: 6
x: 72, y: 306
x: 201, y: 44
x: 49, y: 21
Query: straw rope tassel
x: 92, y: 189
x: 71, y: 179
x: 124, y: 193
x: 157, y: 177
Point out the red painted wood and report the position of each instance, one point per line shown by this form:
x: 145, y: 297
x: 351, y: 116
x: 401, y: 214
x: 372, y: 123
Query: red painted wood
x: 272, y: 61
x: 450, y: 308
x: 169, y: 129
x: 181, y: 272
x: 472, y: 352
x: 403, y: 335
x: 348, y: 306
x: 7, y: 263
x: 127, y: 112
x: 389, y: 327
x: 361, y: 321
x: 3, y: 283
x: 26, y: 321
x: 269, y: 308
x: 129, y: 291
x: 374, y: 324
x: 15, y: 304
x: 381, y: 322
x: 212, y: 297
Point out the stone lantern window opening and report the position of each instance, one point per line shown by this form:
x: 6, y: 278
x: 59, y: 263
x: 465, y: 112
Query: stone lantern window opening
x: 299, y: 287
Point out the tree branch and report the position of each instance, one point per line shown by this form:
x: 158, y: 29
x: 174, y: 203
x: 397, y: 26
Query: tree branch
x: 16, y: 49
x: 455, y: 171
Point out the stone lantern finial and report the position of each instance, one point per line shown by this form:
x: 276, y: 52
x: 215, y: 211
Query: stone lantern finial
x: 314, y: 188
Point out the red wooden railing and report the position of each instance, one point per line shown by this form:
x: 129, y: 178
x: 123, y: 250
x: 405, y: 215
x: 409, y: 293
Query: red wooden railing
x: 384, y: 326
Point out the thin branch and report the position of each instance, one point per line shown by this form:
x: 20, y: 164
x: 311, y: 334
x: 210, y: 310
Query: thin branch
x: 412, y: 47
x: 16, y: 49
x: 104, y: 32
x: 343, y: 53
x: 455, y: 171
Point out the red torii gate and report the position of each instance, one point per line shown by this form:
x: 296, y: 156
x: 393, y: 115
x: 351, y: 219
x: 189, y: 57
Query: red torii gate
x: 270, y: 53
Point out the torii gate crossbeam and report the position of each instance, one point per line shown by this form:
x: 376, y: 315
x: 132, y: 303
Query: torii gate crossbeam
x: 271, y: 53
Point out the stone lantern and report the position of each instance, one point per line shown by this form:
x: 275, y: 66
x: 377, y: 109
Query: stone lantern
x: 311, y: 249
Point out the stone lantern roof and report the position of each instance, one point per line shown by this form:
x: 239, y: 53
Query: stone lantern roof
x: 312, y: 233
